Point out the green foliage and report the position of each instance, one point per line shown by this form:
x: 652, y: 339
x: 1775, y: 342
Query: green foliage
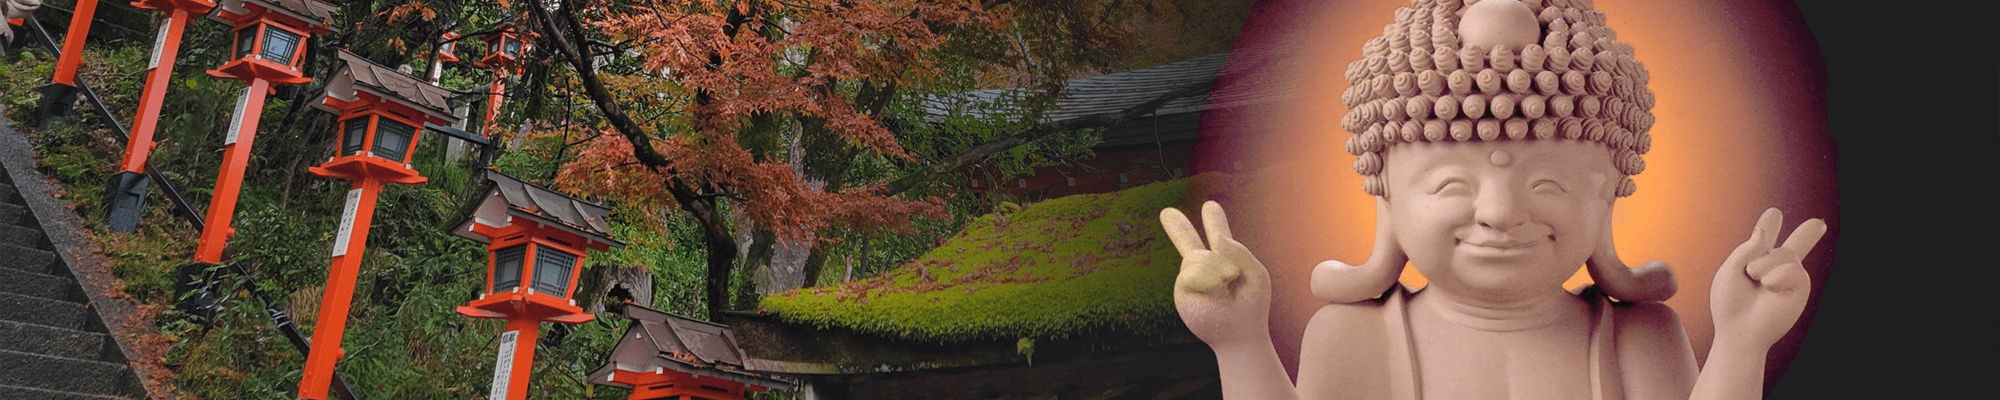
x: 1057, y: 269
x: 1101, y: 270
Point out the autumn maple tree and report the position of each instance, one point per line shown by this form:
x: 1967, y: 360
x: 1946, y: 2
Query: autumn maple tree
x: 753, y: 111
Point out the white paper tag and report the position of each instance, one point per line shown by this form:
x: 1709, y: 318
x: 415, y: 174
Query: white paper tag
x: 346, y: 223
x: 159, y: 44
x: 503, y: 368
x: 236, y: 124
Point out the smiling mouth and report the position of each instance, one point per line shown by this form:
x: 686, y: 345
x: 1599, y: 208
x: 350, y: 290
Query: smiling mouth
x: 1505, y: 245
x: 1502, y: 247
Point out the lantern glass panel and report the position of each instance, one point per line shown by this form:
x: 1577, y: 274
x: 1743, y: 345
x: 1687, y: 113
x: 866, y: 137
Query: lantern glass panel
x: 552, y: 270
x: 513, y: 46
x: 246, y: 39
x: 446, y: 48
x: 280, y: 44
x: 353, y: 133
x: 392, y: 139
x: 507, y: 268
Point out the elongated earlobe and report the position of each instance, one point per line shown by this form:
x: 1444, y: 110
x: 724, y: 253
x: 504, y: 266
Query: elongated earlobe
x: 1338, y: 282
x: 1652, y: 282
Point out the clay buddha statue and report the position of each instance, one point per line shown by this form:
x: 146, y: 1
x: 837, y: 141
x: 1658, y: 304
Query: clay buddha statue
x: 1496, y: 137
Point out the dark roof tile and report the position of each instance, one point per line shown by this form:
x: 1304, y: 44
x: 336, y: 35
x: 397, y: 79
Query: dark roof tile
x: 661, y: 341
x: 1108, y: 93
x: 391, y: 83
x: 550, y: 207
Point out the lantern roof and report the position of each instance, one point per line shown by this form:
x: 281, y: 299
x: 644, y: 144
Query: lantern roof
x: 315, y: 12
x: 361, y: 75
x: 508, y: 197
x: 657, y: 342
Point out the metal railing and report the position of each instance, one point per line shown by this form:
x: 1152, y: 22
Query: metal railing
x: 181, y: 206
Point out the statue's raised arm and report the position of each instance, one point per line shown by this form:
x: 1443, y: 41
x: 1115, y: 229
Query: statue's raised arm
x: 1757, y: 296
x: 1224, y: 295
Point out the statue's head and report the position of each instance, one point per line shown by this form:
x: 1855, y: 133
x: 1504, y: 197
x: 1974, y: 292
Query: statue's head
x: 1496, y: 136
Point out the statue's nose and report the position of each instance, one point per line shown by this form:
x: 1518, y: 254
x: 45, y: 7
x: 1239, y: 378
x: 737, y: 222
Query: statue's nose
x: 1499, y: 209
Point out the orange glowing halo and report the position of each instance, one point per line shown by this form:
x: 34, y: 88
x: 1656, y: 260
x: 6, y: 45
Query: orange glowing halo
x: 1741, y: 127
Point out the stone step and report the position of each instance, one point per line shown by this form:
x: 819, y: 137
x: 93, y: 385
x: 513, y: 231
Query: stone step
x: 59, y: 374
x: 27, y: 259
x: 8, y: 194
x: 13, y: 214
x: 17, y: 392
x: 48, y: 341
x: 40, y: 285
x: 21, y: 236
x: 40, y: 311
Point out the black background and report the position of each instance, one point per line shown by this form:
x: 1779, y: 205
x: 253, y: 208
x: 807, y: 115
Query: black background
x: 1910, y: 105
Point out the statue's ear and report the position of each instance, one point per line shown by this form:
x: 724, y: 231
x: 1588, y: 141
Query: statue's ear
x: 1652, y: 282
x: 1338, y: 282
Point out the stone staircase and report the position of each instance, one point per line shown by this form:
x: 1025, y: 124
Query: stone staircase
x: 53, y: 343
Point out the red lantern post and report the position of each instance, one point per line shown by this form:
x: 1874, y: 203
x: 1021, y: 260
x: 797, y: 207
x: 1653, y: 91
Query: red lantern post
x: 126, y: 193
x: 446, y: 53
x: 382, y: 112
x: 270, y: 37
x: 503, y: 55
x: 60, y: 93
x: 537, y: 240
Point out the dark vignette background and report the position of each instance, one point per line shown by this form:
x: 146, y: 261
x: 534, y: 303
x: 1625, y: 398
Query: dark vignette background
x: 1908, y: 107
x: 1914, y: 145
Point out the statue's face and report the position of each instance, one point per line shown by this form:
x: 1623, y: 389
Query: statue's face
x: 1503, y: 218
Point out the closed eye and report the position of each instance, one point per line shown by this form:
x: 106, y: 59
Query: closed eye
x: 1452, y: 187
x: 1549, y: 186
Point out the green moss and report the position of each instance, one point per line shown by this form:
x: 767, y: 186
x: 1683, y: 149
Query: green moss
x: 1054, y: 269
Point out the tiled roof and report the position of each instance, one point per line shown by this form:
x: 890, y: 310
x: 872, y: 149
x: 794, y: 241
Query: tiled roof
x: 313, y: 11
x: 1267, y: 71
x: 546, y: 206
x: 659, y: 341
x: 390, y: 83
x: 1108, y: 93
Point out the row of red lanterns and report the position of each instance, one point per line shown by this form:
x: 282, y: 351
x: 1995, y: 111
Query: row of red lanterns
x: 537, y: 239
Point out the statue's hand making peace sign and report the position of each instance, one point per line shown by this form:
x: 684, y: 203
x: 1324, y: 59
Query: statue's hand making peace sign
x: 1223, y: 293
x: 1760, y: 290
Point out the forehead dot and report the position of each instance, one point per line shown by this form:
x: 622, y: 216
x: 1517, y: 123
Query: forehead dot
x: 1501, y: 158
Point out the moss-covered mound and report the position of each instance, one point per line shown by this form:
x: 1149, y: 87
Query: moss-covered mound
x: 1051, y: 270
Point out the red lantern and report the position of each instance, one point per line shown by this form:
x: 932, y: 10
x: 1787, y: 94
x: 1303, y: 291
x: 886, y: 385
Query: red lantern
x: 503, y: 53
x: 270, y: 38
x: 269, y: 42
x: 382, y: 111
x: 448, y: 42
x: 504, y: 47
x: 536, y: 241
x: 447, y: 51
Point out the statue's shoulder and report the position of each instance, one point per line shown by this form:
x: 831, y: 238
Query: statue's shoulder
x: 1366, y: 319
x: 1638, y: 320
x: 1647, y: 316
x: 1346, y: 349
x: 1654, y: 353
